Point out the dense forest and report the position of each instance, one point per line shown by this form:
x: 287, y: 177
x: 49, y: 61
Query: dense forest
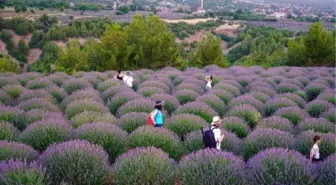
x: 148, y: 42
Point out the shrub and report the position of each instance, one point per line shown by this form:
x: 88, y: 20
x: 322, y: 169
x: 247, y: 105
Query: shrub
x: 16, y: 172
x: 108, y: 84
x: 58, y: 93
x: 73, y: 85
x: 303, y: 80
x: 265, y: 168
x: 35, y: 115
x: 136, y: 105
x: 185, y: 96
x: 259, y: 96
x: 330, y: 115
x: 316, y: 124
x: 232, y: 82
x: 317, y: 107
x: 228, y: 87
x: 144, y: 166
x: 149, y: 91
x: 293, y: 114
x: 295, y: 97
x: 266, y: 90
x: 247, y: 112
x: 131, y: 121
x: 112, y: 91
x: 247, y: 99
x: 6, y: 80
x: 107, y: 135
x: 199, y: 109
x: 326, y: 172
x: 40, y: 83
x: 157, y: 137
x: 38, y: 103
x: 171, y: 103
x: 14, y: 91
x: 79, y: 106
x: 120, y: 99
x: 224, y: 95
x: 235, y: 125
x: 276, y: 123
x: 314, y: 89
x: 156, y: 84
x: 5, y: 98
x: 7, y: 131
x: 304, y: 143
x: 274, y: 104
x: 43, y: 133
x: 192, y: 87
x: 264, y: 138
x: 286, y: 87
x: 80, y: 95
x: 58, y: 78
x: 260, y: 84
x: 214, y: 102
x: 15, y: 150
x: 87, y: 117
x: 327, y: 96
x: 12, y: 115
x: 75, y: 162
x: 29, y: 94
x: 243, y: 80
x: 194, y: 141
x: 212, y: 167
x: 184, y: 123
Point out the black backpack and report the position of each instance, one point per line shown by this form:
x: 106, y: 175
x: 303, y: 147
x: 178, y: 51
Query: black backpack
x: 209, y: 138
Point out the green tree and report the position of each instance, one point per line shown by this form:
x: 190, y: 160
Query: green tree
x: 97, y: 56
x: 72, y: 59
x: 208, y: 52
x: 133, y: 7
x: 49, y: 56
x: 7, y: 65
x: 124, y: 9
x: 23, y: 48
x: 36, y: 40
x: 320, y: 45
x: 296, y: 53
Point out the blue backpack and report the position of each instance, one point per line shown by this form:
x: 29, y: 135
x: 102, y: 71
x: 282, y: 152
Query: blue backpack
x: 209, y: 138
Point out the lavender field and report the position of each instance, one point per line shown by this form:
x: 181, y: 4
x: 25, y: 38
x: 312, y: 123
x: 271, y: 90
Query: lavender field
x: 90, y: 129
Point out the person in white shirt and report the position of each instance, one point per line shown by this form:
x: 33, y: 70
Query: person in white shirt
x: 216, y: 122
x: 128, y: 79
x: 209, y: 82
x: 315, y: 151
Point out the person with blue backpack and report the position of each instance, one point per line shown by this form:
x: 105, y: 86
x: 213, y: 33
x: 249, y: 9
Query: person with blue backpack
x: 212, y: 138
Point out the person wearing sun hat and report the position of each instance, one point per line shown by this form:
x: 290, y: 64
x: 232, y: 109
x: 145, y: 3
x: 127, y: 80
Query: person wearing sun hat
x: 216, y: 122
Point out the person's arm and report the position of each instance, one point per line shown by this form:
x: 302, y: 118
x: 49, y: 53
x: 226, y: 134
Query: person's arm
x: 153, y: 115
x: 312, y: 153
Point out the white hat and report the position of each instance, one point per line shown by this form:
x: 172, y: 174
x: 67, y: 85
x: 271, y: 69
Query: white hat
x: 216, y: 119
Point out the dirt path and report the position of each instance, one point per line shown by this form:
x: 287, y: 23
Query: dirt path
x: 33, y: 56
x: 234, y: 46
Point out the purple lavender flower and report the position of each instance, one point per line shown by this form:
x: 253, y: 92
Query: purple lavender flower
x: 7, y: 131
x: 193, y: 87
x: 247, y: 99
x: 108, y: 84
x: 80, y: 95
x: 112, y: 91
x: 38, y: 103
x: 276, y: 123
x: 184, y: 96
x: 247, y: 112
x: 73, y: 85
x: 39, y: 83
x: 157, y: 84
x: 120, y: 99
x: 293, y: 114
x: 276, y: 103
x: 326, y: 171
x: 197, y: 108
x: 16, y: 150
x: 317, y: 107
x: 79, y: 106
x: 184, y: 123
x: 316, y: 124
x: 12, y: 115
x: 136, y: 105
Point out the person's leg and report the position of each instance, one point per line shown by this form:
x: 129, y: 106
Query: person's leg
x: 158, y: 126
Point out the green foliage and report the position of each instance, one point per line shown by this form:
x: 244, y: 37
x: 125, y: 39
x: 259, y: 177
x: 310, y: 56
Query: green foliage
x: 87, y: 7
x: 23, y: 48
x: 123, y: 9
x: 209, y: 52
x: 20, y: 25
x: 7, y: 65
x: 49, y: 56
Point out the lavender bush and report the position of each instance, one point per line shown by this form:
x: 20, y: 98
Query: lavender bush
x: 112, y: 91
x: 224, y: 95
x: 136, y: 105
x: 8, y: 81
x: 330, y: 115
x: 185, y: 123
x: 156, y: 84
x: 193, y: 87
x: 79, y: 106
x: 247, y: 112
x: 274, y: 104
x: 75, y: 162
x: 228, y: 87
x: 120, y: 99
x: 171, y: 103
x: 144, y: 166
x: 326, y: 172
x: 80, y: 95
x: 317, y: 107
x: 279, y: 166
x: 14, y: 91
x: 108, y: 84
x: 304, y: 143
x: 199, y: 109
x: 43, y: 133
x: 38, y: 103
x: 131, y: 121
x: 259, y: 96
x: 29, y: 94
x: 314, y: 89
x: 149, y: 91
x: 235, y: 125
x: 16, y: 172
x: 35, y: 115
x: 15, y: 150
x: 316, y: 124
x: 293, y: 114
x: 12, y: 115
x: 212, y: 167
x: 58, y: 93
x: 157, y: 137
x: 87, y: 117
x: 276, y: 122
x: 107, y: 135
x: 247, y: 99
x: 264, y: 138
x: 328, y: 96
x: 5, y: 98
x: 39, y: 83
x: 214, y: 102
x: 73, y: 85
x: 7, y: 131
x: 185, y: 96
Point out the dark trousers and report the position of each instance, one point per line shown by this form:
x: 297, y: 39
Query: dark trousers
x: 316, y: 160
x: 158, y: 125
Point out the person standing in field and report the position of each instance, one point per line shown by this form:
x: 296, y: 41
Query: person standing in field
x: 157, y: 115
x: 213, y: 137
x: 127, y: 79
x: 119, y: 75
x: 315, y: 151
x: 209, y: 82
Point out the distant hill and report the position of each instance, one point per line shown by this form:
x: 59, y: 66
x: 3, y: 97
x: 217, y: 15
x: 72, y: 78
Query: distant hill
x: 303, y: 1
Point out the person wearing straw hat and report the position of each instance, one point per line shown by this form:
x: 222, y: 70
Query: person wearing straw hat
x: 216, y: 122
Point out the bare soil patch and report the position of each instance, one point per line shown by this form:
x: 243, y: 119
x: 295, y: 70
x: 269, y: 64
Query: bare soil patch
x: 189, y: 21
x: 3, y: 47
x: 33, y: 55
